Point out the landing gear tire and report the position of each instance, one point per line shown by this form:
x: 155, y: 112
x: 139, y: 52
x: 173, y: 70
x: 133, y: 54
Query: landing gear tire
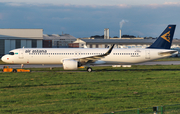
x: 89, y: 69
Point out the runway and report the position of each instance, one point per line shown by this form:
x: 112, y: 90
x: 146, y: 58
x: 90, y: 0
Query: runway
x: 51, y: 66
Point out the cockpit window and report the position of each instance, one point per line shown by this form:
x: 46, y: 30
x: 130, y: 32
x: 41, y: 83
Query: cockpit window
x: 11, y: 53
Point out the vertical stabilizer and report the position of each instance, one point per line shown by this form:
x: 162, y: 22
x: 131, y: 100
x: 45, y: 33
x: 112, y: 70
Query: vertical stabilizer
x: 164, y: 41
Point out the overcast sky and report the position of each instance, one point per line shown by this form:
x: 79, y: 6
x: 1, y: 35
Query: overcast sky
x: 84, y: 18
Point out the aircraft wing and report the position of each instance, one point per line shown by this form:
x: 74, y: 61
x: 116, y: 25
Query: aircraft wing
x: 94, y: 58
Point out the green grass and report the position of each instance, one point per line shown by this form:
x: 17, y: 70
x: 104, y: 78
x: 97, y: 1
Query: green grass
x: 106, y: 90
x: 2, y: 63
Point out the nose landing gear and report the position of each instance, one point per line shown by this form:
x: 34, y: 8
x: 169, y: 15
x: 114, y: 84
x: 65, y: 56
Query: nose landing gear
x: 22, y: 65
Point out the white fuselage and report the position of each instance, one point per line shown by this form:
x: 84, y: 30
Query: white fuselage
x: 57, y: 55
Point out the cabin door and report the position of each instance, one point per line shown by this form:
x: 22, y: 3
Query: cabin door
x: 147, y: 54
x: 21, y: 54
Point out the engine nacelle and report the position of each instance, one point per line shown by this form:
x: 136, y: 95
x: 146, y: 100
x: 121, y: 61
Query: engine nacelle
x: 70, y: 64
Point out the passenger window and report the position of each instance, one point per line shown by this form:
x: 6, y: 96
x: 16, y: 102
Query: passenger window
x: 11, y: 53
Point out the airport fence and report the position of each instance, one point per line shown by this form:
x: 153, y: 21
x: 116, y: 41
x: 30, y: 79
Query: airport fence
x: 167, y: 109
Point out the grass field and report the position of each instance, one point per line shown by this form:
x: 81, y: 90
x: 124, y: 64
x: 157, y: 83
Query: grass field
x: 106, y: 90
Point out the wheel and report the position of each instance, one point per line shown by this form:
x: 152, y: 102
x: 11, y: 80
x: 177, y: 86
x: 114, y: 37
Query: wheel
x: 89, y: 69
x: 14, y: 70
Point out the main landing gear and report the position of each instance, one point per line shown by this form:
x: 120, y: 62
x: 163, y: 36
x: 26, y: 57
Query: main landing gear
x: 89, y: 69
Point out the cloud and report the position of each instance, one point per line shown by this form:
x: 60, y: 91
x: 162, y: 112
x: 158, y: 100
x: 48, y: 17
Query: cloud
x: 123, y: 5
x: 172, y: 3
x: 92, y: 3
x: 14, y: 4
x: 88, y: 20
x: 154, y: 6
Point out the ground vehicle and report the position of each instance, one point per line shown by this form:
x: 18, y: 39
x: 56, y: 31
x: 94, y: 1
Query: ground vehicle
x: 8, y: 69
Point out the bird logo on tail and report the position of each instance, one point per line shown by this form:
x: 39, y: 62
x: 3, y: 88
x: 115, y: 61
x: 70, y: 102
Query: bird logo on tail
x: 166, y: 36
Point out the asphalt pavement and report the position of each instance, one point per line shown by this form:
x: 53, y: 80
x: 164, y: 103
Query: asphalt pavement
x: 52, y: 66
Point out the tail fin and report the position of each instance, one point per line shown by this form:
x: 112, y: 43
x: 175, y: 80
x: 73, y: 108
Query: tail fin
x: 164, y: 41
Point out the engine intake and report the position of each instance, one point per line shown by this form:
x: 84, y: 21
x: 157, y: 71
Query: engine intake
x: 70, y: 64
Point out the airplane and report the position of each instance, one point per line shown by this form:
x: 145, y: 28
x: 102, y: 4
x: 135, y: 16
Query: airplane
x: 74, y: 58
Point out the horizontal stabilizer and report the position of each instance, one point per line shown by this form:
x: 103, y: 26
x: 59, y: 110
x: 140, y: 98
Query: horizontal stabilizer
x: 168, y: 53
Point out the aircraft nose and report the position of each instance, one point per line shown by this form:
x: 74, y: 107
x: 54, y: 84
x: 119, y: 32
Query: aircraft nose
x: 4, y: 59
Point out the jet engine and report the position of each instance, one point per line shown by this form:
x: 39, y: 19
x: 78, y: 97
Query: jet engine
x: 69, y: 64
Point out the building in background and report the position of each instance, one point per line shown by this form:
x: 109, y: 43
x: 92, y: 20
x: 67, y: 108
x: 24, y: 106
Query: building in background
x: 106, y: 33
x: 57, y: 41
x: 32, y: 38
x: 120, y: 43
x: 18, y: 38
